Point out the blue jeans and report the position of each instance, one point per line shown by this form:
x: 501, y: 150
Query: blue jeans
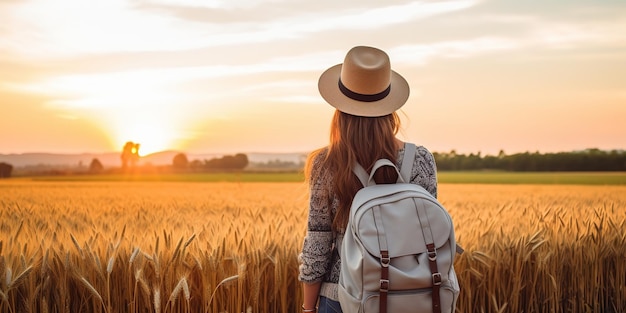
x: 328, y: 306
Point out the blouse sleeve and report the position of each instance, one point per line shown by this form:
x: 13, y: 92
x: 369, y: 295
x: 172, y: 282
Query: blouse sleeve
x: 424, y: 172
x: 316, y: 253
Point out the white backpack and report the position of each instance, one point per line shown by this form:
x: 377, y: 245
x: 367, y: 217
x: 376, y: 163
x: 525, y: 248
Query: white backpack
x: 398, y: 250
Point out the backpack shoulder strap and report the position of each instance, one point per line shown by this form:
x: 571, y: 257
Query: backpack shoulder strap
x: 405, y: 170
x: 407, y: 161
x: 360, y: 172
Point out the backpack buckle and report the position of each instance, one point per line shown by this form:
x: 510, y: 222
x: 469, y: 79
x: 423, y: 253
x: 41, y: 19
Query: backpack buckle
x: 384, y: 259
x: 432, y: 255
x: 384, y: 285
x: 436, y: 279
x: 432, y: 251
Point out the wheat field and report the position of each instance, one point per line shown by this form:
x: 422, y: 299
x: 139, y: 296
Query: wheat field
x: 232, y: 247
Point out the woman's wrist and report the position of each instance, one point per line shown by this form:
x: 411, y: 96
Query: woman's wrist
x: 305, y: 310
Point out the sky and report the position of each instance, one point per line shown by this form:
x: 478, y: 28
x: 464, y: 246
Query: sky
x: 231, y: 76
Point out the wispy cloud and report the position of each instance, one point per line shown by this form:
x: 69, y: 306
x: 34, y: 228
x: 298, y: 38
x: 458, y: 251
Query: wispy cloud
x: 420, y: 54
x: 370, y: 18
x: 148, y: 87
x: 581, y: 34
x: 215, y: 4
x: 71, y: 27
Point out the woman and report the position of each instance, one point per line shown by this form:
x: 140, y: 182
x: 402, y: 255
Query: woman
x: 366, y: 94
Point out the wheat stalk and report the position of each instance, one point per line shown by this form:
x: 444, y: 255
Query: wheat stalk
x: 19, y: 278
x: 188, y: 242
x: 186, y: 292
x: 119, y: 240
x: 77, y: 245
x: 157, y: 300
x: 224, y: 281
x: 17, y: 232
x: 110, y: 265
x: 109, y: 271
x: 177, y: 250
x: 4, y: 296
x: 91, y: 289
x: 182, y: 285
x: 133, y: 255
x: 142, y: 282
x: 8, y: 277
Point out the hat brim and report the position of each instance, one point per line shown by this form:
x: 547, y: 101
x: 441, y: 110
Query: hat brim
x: 328, y: 86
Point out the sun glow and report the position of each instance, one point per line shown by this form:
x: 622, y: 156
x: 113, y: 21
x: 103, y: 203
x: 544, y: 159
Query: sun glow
x: 142, y: 107
x: 151, y: 137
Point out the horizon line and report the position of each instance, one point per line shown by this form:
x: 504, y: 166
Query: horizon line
x: 300, y: 152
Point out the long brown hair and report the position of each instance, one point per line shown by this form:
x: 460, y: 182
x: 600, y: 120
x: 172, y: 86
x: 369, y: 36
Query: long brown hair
x: 356, y: 139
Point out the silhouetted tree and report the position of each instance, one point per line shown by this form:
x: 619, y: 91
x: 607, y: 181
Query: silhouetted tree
x: 130, y: 155
x: 240, y: 161
x: 180, y: 161
x: 5, y: 170
x: 95, y: 166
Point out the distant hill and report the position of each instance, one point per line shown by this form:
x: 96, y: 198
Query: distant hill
x: 112, y: 159
x: 60, y: 160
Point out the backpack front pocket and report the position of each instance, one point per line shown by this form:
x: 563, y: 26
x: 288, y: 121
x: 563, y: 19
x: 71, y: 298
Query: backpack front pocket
x: 417, y: 300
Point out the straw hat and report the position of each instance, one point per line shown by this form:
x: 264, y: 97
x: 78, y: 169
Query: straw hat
x: 364, y: 85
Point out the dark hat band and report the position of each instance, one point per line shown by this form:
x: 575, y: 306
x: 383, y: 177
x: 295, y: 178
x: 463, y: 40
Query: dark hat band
x: 362, y: 97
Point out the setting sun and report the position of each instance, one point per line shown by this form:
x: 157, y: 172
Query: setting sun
x: 151, y: 138
x: 138, y: 106
x: 155, y: 128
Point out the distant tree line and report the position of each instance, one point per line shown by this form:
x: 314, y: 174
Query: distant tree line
x: 278, y: 164
x: 228, y: 162
x: 586, y: 160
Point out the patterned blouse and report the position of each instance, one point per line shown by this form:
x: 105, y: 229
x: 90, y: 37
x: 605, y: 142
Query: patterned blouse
x: 319, y: 260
